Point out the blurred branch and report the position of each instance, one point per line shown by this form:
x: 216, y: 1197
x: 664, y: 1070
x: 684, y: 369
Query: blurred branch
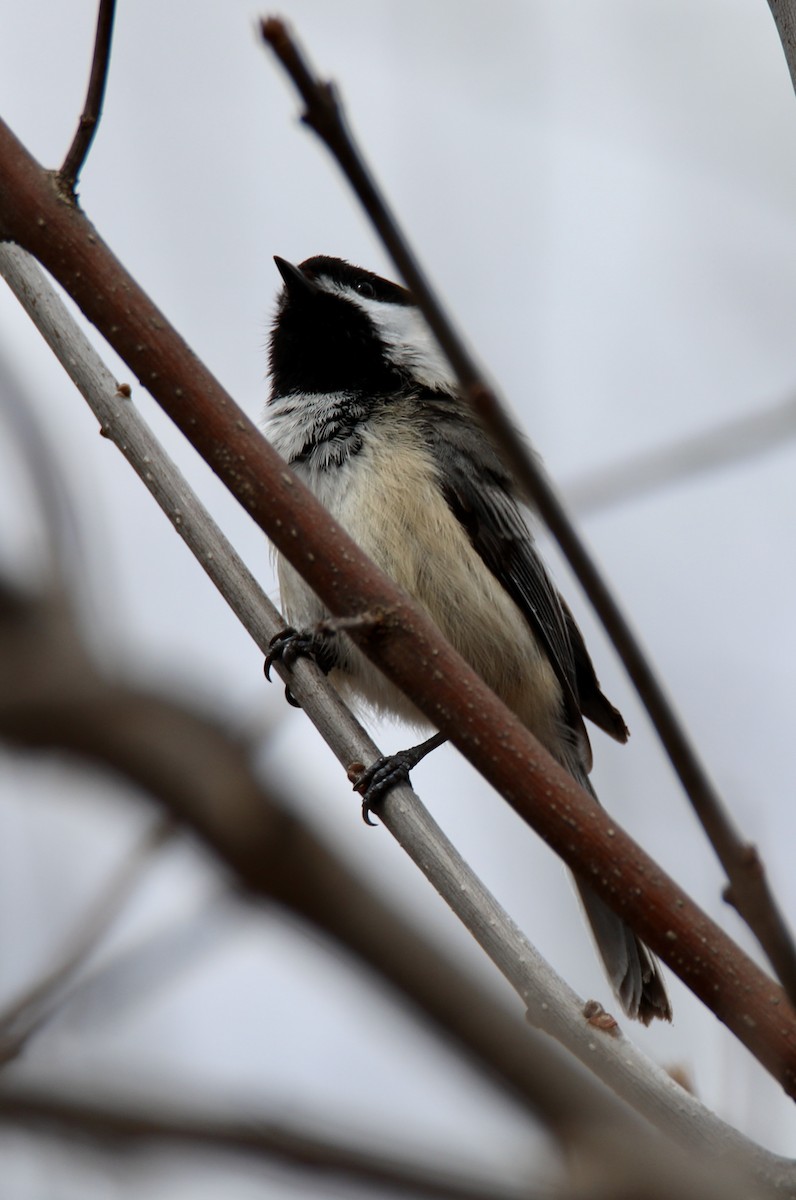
x: 92, y: 109
x: 551, y: 1005
x: 51, y: 697
x: 341, y: 1163
x: 784, y: 14
x: 649, y: 471
x: 748, y: 891
x: 65, y: 566
x: 22, y: 1018
x: 454, y: 698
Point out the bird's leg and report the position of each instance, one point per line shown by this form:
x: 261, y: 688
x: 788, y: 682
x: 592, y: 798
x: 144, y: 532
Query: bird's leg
x: 376, y: 780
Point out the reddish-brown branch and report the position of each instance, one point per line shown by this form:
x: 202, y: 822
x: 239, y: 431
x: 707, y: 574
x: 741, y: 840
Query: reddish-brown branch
x: 406, y: 646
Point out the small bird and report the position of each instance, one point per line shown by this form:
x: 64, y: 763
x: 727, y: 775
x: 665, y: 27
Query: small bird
x: 365, y: 409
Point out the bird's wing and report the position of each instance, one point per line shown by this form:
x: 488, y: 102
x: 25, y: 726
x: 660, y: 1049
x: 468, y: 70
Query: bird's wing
x: 478, y: 490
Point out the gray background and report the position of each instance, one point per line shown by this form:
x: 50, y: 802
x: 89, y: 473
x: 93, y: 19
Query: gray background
x: 605, y: 193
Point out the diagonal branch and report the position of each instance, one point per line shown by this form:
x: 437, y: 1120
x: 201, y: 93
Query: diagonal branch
x: 748, y: 889
x: 92, y: 109
x: 51, y: 696
x: 551, y: 1005
x: 335, y: 1161
x: 454, y: 698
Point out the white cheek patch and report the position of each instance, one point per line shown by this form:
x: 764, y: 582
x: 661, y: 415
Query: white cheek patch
x: 408, y: 341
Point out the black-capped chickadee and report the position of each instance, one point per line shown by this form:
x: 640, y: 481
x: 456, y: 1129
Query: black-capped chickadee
x: 365, y: 409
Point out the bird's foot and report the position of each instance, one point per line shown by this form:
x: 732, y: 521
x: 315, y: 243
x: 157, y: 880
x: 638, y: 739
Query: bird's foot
x: 374, y: 782
x: 289, y: 645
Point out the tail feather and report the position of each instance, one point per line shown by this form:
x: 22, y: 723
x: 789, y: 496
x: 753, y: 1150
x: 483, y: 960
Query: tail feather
x: 631, y: 967
x: 633, y: 970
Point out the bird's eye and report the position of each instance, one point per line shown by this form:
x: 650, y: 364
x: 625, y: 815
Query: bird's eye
x: 366, y: 288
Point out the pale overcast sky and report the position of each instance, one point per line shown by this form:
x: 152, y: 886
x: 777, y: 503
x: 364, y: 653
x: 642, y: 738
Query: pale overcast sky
x: 605, y: 192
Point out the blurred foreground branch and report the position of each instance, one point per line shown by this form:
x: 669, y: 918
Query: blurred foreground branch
x: 109, y: 1120
x: 51, y: 697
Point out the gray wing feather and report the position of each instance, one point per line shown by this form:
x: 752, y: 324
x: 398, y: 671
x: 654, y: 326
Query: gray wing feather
x: 480, y: 493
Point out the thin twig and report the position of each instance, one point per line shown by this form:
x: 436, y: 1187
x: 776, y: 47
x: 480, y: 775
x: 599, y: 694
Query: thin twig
x: 92, y: 109
x: 452, y: 695
x: 23, y: 1016
x: 337, y: 1161
x: 551, y: 1005
x: 748, y: 891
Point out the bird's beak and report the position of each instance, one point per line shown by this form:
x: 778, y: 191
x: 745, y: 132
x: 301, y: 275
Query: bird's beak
x: 298, y: 285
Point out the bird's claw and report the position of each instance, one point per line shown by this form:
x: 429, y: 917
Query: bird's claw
x: 286, y: 647
x: 289, y: 645
x: 379, y: 778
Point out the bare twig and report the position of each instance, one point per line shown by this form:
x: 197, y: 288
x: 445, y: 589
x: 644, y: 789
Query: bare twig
x: 22, y: 1018
x: 92, y: 109
x: 732, y: 441
x: 749, y: 891
x: 453, y: 697
x: 335, y: 1160
x: 551, y: 1005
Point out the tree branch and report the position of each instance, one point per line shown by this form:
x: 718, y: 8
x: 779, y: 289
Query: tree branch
x: 454, y: 698
x: 92, y: 109
x: 551, y: 1005
x: 52, y: 697
x: 340, y: 1162
x: 748, y: 887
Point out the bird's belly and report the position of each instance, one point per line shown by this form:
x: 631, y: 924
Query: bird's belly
x: 388, y: 499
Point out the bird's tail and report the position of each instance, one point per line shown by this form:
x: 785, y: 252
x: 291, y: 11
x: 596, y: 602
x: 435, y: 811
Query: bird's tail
x: 632, y: 968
